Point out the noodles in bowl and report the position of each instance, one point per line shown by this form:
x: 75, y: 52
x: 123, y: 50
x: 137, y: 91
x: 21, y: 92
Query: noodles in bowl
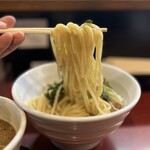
x: 73, y: 132
x: 81, y: 90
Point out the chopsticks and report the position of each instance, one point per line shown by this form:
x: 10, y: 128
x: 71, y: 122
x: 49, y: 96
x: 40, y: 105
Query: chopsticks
x: 34, y: 30
x: 28, y: 30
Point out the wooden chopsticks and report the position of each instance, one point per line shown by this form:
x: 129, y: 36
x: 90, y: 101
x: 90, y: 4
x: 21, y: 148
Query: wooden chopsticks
x: 34, y: 30
x: 28, y: 30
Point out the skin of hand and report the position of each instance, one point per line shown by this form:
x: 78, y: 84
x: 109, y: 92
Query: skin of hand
x: 9, y: 41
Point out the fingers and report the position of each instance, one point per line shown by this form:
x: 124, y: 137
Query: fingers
x: 12, y: 42
x: 18, y: 38
x: 8, y: 20
x: 9, y: 41
x: 5, y: 41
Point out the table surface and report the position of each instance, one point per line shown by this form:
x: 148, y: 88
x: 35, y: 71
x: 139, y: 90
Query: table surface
x: 134, y: 134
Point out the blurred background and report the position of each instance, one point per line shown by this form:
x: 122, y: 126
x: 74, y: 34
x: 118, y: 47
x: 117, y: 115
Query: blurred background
x: 126, y: 44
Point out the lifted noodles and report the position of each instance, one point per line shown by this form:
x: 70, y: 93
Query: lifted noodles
x: 78, y: 52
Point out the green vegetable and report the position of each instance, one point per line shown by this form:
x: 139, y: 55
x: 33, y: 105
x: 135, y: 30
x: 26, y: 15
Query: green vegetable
x: 89, y: 21
x: 51, y: 92
x: 110, y: 95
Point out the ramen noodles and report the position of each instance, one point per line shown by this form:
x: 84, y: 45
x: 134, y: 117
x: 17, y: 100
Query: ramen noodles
x: 82, y: 90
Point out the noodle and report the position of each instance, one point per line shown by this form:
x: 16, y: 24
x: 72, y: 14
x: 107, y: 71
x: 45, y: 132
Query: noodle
x: 81, y: 72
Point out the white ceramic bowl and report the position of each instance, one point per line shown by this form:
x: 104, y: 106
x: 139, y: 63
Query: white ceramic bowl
x: 10, y: 112
x: 75, y: 133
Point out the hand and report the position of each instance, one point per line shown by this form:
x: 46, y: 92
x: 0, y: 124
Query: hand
x: 9, y: 41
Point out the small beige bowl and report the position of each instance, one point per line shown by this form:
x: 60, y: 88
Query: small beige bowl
x: 10, y: 112
x: 75, y: 133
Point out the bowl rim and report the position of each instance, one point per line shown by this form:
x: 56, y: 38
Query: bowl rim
x: 42, y: 115
x: 20, y: 132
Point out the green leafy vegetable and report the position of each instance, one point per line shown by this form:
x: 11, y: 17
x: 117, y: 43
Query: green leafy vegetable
x: 105, y: 95
x: 110, y: 95
x: 51, y: 92
x: 89, y: 21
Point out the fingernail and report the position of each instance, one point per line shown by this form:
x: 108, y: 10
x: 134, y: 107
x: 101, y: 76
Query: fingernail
x: 2, y: 25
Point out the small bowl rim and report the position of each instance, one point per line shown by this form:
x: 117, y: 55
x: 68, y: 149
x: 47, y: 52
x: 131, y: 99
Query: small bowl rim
x: 79, y: 119
x: 20, y: 132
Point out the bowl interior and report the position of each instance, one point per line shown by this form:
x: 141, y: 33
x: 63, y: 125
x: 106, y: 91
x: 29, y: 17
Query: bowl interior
x: 31, y: 83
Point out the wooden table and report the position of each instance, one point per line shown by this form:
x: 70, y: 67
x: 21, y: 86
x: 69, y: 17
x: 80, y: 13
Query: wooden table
x: 134, y: 134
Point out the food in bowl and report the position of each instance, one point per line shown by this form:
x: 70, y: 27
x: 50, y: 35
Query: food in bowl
x: 81, y: 89
x: 82, y: 76
x: 74, y: 132
x: 12, y: 124
x: 7, y: 132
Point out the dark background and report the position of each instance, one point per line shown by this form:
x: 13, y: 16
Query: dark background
x: 128, y: 35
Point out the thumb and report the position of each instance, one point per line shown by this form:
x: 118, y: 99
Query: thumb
x: 3, y: 25
x: 8, y: 20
